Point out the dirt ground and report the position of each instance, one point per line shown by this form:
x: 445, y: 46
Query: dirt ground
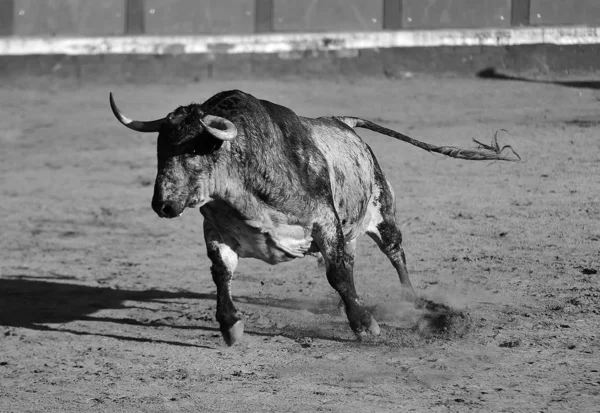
x: 104, y: 307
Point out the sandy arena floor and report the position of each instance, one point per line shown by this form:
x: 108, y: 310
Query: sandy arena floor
x: 104, y: 307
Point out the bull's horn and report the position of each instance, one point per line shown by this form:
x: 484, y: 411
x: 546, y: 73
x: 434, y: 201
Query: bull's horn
x: 219, y: 127
x: 136, y: 125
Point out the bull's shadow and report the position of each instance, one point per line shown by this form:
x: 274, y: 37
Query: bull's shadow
x: 31, y: 302
x: 27, y: 301
x: 492, y: 73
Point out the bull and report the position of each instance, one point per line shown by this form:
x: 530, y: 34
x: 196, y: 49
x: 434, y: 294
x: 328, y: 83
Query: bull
x: 276, y: 186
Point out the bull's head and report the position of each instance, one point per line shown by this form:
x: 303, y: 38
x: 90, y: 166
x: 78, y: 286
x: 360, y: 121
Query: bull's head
x: 188, y: 156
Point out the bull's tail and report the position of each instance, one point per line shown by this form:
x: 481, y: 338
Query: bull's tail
x: 484, y: 152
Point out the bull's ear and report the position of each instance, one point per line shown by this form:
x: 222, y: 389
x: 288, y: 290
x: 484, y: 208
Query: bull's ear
x: 219, y: 127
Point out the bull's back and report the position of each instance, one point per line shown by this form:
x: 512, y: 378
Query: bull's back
x: 351, y: 169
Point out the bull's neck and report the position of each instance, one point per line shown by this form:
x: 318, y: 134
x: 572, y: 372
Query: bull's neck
x: 239, y: 181
x: 260, y: 177
x: 225, y: 182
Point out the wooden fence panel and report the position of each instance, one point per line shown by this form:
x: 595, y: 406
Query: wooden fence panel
x: 134, y: 17
x: 520, y: 12
x: 264, y: 16
x: 436, y: 14
x: 6, y: 17
x: 69, y: 17
x: 327, y: 15
x: 572, y: 12
x: 199, y: 17
x: 392, y: 14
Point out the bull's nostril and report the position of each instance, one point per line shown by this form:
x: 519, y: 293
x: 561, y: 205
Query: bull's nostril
x: 167, y: 210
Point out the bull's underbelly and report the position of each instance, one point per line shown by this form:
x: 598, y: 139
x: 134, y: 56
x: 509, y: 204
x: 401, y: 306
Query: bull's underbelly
x: 260, y: 239
x: 272, y: 246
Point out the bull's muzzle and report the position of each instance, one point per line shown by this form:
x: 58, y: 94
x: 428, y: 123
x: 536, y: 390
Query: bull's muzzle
x: 167, y: 209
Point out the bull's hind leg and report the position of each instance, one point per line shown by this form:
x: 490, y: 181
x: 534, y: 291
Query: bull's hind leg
x: 339, y: 263
x: 224, y: 261
x: 383, y: 230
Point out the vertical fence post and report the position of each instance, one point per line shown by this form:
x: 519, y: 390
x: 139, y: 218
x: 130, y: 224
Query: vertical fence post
x: 7, y: 17
x: 264, y: 16
x: 392, y: 14
x: 134, y: 17
x: 519, y: 12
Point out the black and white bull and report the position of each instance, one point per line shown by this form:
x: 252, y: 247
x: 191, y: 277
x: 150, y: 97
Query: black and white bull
x: 276, y: 186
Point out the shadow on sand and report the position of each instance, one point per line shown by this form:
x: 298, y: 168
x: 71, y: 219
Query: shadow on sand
x: 491, y: 73
x: 33, y: 303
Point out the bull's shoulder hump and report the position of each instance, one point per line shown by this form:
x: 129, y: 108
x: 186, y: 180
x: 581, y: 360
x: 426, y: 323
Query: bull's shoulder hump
x: 231, y: 102
x: 287, y: 120
x: 280, y: 114
x: 278, y: 110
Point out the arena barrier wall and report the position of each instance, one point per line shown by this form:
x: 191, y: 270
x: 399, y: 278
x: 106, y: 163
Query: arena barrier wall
x: 222, y: 38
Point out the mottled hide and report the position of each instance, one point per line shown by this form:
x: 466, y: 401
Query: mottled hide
x: 276, y: 186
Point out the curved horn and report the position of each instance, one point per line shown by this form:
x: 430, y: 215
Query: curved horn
x: 136, y: 125
x: 219, y: 127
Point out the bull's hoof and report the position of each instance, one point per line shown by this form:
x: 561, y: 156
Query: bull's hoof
x: 372, y: 329
x: 233, y: 333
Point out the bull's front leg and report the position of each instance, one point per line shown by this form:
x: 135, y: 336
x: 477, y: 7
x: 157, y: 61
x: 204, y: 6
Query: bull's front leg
x: 224, y: 261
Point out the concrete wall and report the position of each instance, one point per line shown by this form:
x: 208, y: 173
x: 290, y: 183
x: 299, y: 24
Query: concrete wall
x: 191, y: 40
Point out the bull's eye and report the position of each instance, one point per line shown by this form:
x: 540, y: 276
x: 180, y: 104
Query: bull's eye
x: 205, y: 144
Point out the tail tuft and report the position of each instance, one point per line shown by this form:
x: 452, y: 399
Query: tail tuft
x: 494, y: 147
